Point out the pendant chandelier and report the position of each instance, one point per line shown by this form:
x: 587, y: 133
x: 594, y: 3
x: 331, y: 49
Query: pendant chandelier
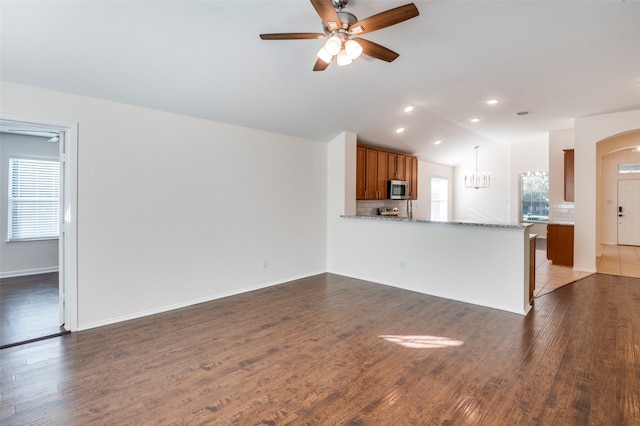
x: 477, y: 180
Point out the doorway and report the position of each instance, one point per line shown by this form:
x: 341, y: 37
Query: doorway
x: 66, y: 276
x: 629, y: 212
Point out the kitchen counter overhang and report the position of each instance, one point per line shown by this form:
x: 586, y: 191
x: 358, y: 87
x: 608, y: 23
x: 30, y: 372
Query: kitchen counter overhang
x: 517, y: 226
x: 485, y: 264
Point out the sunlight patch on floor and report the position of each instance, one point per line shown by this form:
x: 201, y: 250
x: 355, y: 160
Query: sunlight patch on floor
x: 423, y: 342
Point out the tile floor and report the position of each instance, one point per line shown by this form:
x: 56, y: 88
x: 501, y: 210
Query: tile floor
x: 619, y: 260
x: 615, y: 260
x: 549, y: 276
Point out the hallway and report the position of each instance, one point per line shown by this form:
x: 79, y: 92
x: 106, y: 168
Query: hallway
x: 615, y: 260
x: 619, y: 260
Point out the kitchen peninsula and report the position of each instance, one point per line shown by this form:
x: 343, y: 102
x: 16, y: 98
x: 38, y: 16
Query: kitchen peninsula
x: 485, y: 264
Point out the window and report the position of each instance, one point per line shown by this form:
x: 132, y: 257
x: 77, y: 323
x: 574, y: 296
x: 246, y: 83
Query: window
x: 535, y: 197
x: 628, y: 168
x: 33, y: 199
x: 439, y: 198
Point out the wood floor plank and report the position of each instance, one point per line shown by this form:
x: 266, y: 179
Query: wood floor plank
x: 336, y: 350
x: 28, y: 308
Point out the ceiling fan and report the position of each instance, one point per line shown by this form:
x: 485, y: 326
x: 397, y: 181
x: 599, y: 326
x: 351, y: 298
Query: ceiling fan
x: 339, y: 29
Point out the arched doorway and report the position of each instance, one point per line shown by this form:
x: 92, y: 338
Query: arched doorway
x: 611, y: 222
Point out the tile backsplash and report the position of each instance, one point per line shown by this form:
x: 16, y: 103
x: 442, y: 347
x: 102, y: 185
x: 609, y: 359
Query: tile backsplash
x: 562, y: 212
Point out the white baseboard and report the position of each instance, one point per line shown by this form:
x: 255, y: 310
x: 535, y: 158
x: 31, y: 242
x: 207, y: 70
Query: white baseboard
x: 167, y: 308
x: 11, y: 274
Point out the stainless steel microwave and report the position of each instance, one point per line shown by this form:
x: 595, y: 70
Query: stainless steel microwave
x: 397, y: 189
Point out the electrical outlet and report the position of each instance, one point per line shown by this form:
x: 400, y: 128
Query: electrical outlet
x: 403, y: 265
x: 265, y: 263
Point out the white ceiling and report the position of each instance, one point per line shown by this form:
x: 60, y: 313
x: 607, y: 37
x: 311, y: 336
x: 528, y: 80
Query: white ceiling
x: 558, y: 59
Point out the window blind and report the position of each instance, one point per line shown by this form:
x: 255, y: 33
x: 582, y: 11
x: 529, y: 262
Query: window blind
x: 33, y: 199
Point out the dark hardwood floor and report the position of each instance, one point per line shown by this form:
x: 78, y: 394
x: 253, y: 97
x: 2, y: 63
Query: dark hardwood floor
x: 28, y: 308
x: 334, y: 350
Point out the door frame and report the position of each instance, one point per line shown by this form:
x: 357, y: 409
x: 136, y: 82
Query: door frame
x: 68, y: 241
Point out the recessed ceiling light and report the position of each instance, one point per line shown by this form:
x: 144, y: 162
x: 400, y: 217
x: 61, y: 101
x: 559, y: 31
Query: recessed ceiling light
x: 493, y: 101
x: 400, y: 130
x: 475, y: 120
x: 409, y: 108
x: 438, y: 142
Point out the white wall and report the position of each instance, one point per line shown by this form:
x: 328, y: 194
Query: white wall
x: 500, y: 202
x: 488, y: 205
x: 23, y: 257
x: 174, y: 210
x: 426, y: 171
x: 588, y: 132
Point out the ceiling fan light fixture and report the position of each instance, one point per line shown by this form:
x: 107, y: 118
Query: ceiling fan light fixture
x: 333, y: 45
x: 353, y: 49
x: 339, y: 26
x: 343, y: 58
x: 324, y: 55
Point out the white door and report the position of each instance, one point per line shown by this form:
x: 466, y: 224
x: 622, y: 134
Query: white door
x: 629, y: 212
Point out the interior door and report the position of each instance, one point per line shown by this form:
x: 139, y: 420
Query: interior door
x: 629, y: 212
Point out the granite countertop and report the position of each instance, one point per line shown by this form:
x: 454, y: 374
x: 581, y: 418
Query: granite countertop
x: 561, y: 223
x: 404, y: 219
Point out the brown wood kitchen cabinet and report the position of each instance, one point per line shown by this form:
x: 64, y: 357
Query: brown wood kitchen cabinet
x: 411, y: 172
x: 560, y: 244
x: 397, y: 166
x: 375, y: 165
x: 360, y: 173
x: 568, y: 174
x: 371, y: 174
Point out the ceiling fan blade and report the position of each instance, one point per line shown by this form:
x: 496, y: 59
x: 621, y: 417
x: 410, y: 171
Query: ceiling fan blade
x: 292, y: 36
x: 327, y: 13
x: 375, y: 50
x: 321, y: 65
x: 385, y: 19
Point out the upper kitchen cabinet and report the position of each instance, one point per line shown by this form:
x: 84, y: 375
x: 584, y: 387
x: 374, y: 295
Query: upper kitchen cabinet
x: 412, y: 176
x: 374, y: 166
x: 397, y: 166
x: 568, y: 174
x: 360, y: 173
x: 371, y: 174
